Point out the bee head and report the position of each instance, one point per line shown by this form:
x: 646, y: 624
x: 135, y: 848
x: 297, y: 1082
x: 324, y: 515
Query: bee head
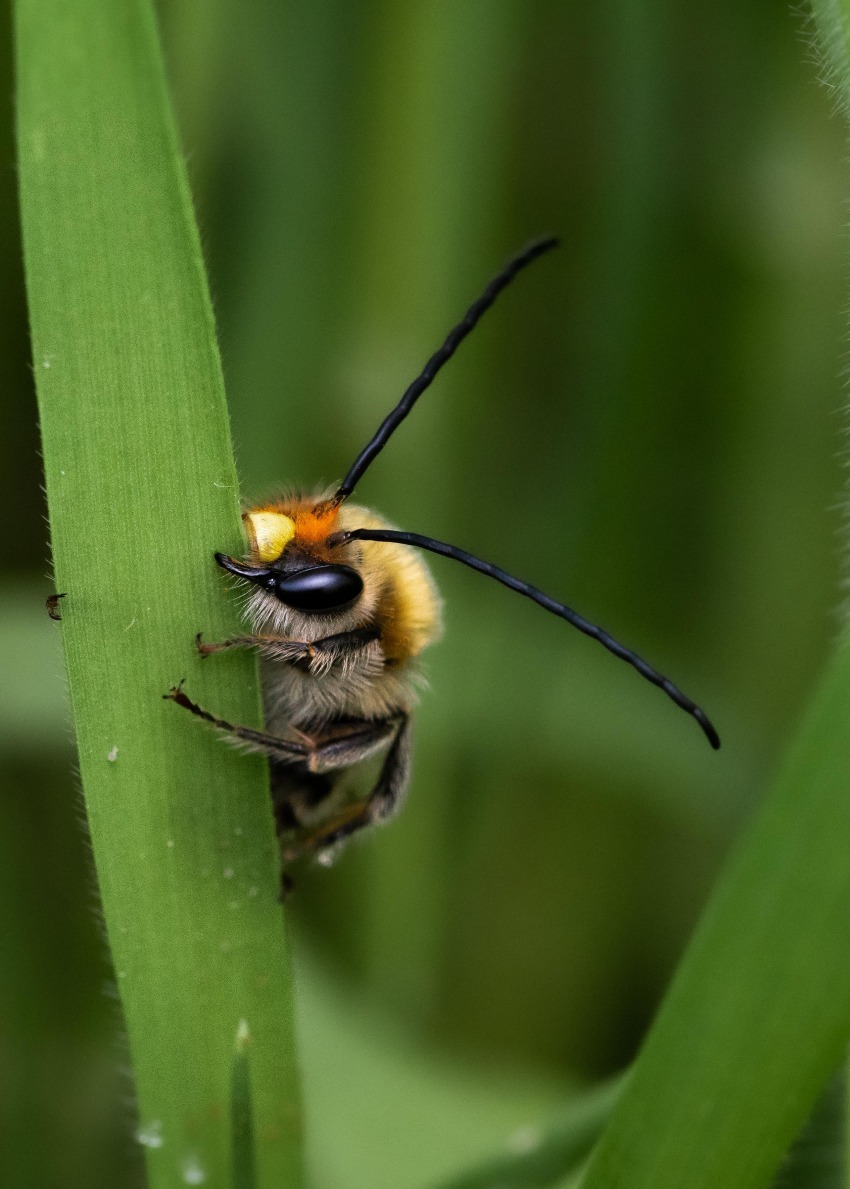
x: 289, y: 559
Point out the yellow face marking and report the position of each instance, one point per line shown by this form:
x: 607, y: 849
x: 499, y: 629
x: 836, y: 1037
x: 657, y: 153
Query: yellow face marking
x: 269, y: 533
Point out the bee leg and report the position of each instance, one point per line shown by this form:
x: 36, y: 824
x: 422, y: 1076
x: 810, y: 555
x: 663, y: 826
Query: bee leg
x: 319, y: 656
x: 270, y: 745
x: 52, y: 605
x: 355, y: 743
x: 388, y: 793
x: 222, y: 645
x: 377, y: 806
x: 298, y: 652
x: 295, y: 652
x: 343, y: 649
x: 345, y: 643
x: 296, y: 794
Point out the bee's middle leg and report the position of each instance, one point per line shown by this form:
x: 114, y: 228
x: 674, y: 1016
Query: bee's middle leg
x: 349, y: 743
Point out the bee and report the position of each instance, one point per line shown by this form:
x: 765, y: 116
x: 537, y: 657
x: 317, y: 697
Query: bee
x: 341, y: 605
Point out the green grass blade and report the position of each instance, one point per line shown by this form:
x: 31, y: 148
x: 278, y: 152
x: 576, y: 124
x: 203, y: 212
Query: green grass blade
x: 758, y: 1016
x: 142, y: 488
x: 816, y: 1161
x: 241, y: 1113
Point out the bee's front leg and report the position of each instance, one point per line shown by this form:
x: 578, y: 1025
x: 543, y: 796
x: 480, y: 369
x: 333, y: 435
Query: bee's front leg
x: 317, y: 656
x: 271, y: 646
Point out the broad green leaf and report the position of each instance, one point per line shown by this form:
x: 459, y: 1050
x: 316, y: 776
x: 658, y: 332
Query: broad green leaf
x: 758, y: 1015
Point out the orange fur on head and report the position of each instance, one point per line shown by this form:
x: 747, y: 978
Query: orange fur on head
x: 314, y: 523
x: 314, y: 519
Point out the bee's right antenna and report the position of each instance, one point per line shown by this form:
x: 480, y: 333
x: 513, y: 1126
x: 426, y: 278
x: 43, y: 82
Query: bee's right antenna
x: 543, y: 600
x: 429, y: 371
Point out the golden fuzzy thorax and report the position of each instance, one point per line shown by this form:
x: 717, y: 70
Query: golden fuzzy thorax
x: 399, y: 599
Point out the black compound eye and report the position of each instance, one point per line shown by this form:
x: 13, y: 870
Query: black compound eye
x: 321, y: 588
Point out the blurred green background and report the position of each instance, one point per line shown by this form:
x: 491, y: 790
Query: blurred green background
x: 647, y: 425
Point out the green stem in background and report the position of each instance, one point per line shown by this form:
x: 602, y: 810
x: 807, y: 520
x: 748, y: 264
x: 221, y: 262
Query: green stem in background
x: 816, y: 1161
x: 545, y: 1155
x: 142, y: 488
x: 832, y: 22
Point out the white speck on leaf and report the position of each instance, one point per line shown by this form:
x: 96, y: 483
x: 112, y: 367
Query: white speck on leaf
x: 150, y: 1136
x: 193, y: 1174
x: 113, y: 755
x: 252, y: 891
x: 228, y: 873
x: 524, y: 1139
x: 170, y: 842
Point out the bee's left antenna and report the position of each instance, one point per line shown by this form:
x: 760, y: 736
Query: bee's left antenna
x: 396, y: 536
x: 453, y: 340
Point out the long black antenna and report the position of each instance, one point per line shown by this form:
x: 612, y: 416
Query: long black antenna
x: 531, y: 592
x: 423, y: 380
